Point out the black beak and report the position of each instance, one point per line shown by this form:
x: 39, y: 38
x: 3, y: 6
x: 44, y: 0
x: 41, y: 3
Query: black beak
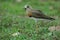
x: 25, y: 8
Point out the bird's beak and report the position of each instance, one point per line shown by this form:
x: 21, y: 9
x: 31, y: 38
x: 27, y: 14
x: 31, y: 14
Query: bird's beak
x: 25, y: 8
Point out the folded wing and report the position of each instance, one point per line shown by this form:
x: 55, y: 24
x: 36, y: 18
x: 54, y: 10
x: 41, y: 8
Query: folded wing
x: 39, y: 14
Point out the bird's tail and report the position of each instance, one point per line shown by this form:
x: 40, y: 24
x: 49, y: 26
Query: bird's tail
x: 49, y: 18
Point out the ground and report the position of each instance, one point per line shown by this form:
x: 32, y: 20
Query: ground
x: 13, y: 20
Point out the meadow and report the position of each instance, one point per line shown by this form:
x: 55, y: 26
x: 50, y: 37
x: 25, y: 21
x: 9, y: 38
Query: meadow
x: 13, y: 20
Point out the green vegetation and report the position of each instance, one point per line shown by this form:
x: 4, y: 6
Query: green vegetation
x: 12, y: 20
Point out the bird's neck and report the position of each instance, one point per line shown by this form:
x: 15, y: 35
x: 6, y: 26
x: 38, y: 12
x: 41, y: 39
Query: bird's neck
x: 28, y: 10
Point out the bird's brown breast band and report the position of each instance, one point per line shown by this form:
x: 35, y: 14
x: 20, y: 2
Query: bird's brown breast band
x: 30, y: 14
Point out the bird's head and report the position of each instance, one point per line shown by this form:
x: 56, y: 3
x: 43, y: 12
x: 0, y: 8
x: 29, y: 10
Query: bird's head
x: 27, y: 7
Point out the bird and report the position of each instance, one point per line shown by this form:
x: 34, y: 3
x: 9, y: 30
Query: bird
x: 36, y: 14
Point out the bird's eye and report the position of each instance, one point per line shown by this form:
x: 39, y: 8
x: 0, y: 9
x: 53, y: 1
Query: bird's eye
x: 27, y: 6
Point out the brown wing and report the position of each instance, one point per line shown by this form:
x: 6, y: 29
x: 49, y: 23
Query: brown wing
x: 39, y: 14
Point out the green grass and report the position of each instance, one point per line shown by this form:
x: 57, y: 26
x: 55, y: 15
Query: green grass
x: 12, y: 20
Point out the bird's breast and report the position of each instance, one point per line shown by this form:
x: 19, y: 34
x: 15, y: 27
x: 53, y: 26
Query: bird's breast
x: 30, y: 14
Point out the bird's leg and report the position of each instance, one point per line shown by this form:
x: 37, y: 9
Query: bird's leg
x: 37, y: 27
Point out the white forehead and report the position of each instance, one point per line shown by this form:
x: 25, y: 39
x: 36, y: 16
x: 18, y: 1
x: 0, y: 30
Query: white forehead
x: 25, y: 6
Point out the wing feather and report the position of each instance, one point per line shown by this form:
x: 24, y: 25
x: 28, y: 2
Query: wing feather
x: 39, y: 14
